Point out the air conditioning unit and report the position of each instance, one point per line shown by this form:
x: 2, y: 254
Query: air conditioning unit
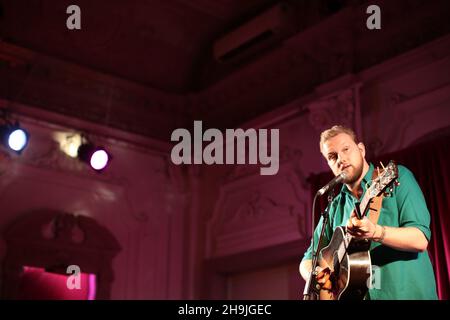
x: 256, y: 33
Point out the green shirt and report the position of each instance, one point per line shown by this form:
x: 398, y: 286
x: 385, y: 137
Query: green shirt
x: 398, y: 274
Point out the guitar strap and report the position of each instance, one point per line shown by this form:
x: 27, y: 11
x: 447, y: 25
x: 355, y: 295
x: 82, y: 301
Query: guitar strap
x: 375, y: 203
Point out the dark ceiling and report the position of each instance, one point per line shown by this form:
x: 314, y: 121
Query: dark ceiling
x: 154, y: 42
x: 165, y: 44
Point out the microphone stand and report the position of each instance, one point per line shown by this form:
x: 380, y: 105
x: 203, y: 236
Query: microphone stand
x: 312, y: 288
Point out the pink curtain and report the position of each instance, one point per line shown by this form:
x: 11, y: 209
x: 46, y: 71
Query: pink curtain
x: 430, y: 163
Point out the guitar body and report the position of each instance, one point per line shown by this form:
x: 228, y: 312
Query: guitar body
x: 350, y: 264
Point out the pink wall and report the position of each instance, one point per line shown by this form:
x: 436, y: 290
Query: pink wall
x: 138, y: 199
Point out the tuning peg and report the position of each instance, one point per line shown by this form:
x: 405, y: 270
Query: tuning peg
x: 397, y: 183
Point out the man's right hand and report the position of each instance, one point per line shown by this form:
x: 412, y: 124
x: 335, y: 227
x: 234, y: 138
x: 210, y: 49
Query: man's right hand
x: 323, y: 274
x: 323, y: 278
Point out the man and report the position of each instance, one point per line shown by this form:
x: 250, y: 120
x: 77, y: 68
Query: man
x: 400, y: 237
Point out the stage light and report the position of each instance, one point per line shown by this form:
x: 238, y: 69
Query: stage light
x: 14, y: 137
x: 97, y: 157
x: 78, y: 145
x: 69, y: 142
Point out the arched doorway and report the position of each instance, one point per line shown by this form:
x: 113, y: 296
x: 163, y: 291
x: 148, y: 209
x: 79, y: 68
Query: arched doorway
x: 56, y: 255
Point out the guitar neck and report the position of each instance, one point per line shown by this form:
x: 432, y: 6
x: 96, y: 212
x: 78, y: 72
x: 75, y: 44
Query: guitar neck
x: 363, y: 205
x: 362, y: 209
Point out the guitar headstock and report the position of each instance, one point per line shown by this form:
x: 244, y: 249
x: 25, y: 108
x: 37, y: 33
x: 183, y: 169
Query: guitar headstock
x: 386, y: 177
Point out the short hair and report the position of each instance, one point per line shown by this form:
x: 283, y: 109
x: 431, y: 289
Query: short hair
x: 334, y: 131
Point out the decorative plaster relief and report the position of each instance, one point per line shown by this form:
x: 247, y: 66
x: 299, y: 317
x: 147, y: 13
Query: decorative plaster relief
x: 339, y: 108
x: 253, y: 212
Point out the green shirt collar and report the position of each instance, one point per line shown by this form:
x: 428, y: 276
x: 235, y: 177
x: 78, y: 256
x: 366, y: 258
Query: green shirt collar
x: 367, y: 178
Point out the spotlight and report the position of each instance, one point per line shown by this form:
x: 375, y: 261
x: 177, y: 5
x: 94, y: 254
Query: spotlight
x: 69, y: 142
x: 96, y: 157
x: 14, y: 137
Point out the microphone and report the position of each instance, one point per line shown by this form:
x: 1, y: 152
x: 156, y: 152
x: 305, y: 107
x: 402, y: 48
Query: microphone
x: 338, y: 179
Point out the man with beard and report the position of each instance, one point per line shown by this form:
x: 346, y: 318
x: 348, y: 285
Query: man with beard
x: 400, y: 237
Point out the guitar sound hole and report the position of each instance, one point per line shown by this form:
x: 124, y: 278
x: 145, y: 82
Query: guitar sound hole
x: 336, y: 265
